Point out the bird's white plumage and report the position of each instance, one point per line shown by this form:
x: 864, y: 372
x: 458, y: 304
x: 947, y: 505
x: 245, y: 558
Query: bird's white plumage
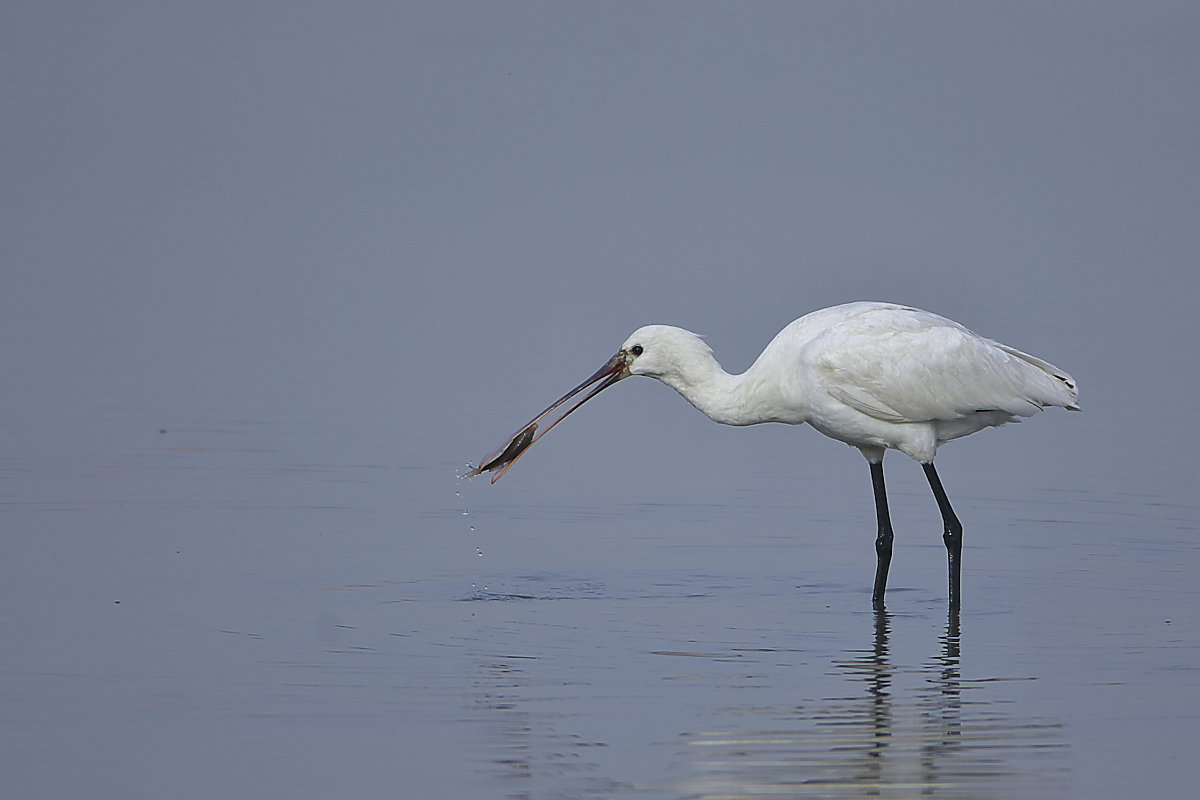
x: 877, y: 376
x: 874, y: 375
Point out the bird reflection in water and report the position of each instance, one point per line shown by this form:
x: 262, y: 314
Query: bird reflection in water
x: 945, y: 737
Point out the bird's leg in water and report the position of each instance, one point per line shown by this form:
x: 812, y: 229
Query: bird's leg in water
x: 952, y: 534
x: 883, y: 539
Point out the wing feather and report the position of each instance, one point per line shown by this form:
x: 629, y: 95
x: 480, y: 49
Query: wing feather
x: 903, y: 365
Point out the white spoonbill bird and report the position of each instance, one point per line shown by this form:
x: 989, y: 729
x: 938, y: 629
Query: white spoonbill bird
x: 877, y: 376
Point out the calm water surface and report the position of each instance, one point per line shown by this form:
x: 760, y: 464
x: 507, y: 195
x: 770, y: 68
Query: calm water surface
x: 261, y: 602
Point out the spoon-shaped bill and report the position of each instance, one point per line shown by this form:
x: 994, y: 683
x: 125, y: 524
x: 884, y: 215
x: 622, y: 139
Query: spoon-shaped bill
x: 504, y: 456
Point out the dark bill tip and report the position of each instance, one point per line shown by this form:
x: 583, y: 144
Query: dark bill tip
x: 504, y: 456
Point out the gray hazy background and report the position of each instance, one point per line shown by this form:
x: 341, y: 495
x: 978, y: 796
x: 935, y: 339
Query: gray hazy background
x: 317, y: 203
x: 395, y: 231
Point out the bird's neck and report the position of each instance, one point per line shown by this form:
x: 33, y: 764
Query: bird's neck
x: 722, y: 397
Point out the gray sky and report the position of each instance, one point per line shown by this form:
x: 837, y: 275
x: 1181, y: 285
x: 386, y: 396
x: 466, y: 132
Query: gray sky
x: 400, y: 203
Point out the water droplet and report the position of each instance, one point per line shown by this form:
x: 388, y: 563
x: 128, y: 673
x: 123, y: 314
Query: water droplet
x: 465, y: 512
x: 479, y: 553
x: 472, y: 528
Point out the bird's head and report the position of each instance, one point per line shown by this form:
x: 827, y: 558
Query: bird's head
x: 663, y: 352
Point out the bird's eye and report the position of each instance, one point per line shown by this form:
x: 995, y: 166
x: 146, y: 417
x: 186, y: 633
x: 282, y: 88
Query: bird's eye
x: 636, y: 350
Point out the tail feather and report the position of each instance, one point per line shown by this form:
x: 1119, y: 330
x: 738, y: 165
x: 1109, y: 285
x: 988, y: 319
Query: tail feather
x: 1060, y: 390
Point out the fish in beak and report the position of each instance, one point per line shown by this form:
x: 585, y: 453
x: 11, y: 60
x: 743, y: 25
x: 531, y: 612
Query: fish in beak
x: 504, y: 456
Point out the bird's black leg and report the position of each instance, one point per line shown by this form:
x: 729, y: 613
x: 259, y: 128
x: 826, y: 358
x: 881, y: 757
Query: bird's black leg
x: 883, y: 539
x: 952, y: 535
